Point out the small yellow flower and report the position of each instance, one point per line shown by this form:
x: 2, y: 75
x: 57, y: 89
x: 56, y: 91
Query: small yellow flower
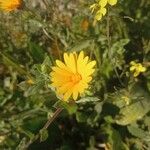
x: 72, y: 77
x: 100, y: 9
x: 9, y: 5
x: 136, y: 68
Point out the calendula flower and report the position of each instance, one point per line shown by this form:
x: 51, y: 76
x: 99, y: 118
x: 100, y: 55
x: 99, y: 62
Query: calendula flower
x: 136, y: 68
x: 72, y: 77
x: 9, y: 5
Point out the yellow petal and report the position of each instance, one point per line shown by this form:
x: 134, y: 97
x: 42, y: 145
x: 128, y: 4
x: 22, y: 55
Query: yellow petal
x: 103, y: 3
x: 67, y: 95
x: 87, y: 79
x: 81, y: 56
x: 82, y: 86
x: 132, y: 68
x: 103, y: 11
x: 75, y: 92
x: 112, y: 2
x: 70, y: 62
x: 98, y: 16
x: 132, y: 63
x: 136, y: 73
x: 64, y: 88
x: 61, y: 65
x: 61, y: 71
x: 143, y: 69
x: 93, y: 7
x: 86, y: 60
x: 91, y: 64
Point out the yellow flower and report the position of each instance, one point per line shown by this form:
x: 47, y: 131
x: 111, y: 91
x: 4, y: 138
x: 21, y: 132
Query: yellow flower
x: 9, y: 5
x: 100, y: 8
x: 72, y: 77
x: 136, y: 68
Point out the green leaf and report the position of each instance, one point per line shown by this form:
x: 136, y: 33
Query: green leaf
x: 81, y: 46
x: 98, y: 107
x: 114, y: 138
x: 36, y: 52
x: 87, y: 99
x: 119, y: 46
x: 8, y: 61
x: 137, y: 109
x: 43, y: 135
x: 70, y: 107
x: 137, y: 132
x: 81, y: 117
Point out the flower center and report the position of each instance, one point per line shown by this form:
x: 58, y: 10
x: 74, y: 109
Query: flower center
x: 75, y: 78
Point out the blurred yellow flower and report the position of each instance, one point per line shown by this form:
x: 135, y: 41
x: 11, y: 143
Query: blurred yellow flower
x: 72, y: 77
x: 136, y: 68
x: 99, y: 6
x: 9, y: 5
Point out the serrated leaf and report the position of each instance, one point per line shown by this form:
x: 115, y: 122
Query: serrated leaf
x: 118, y: 47
x: 137, y: 132
x: 114, y: 138
x: 136, y: 110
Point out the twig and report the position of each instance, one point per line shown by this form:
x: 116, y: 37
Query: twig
x: 57, y: 112
x: 108, y: 35
x: 50, y: 120
x: 109, y: 48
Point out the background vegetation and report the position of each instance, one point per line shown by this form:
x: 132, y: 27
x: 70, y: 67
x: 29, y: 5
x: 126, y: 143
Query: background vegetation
x: 114, y: 114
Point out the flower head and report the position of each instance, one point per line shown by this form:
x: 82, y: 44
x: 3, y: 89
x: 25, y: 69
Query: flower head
x: 100, y: 8
x: 136, y: 68
x: 72, y: 77
x: 9, y: 5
